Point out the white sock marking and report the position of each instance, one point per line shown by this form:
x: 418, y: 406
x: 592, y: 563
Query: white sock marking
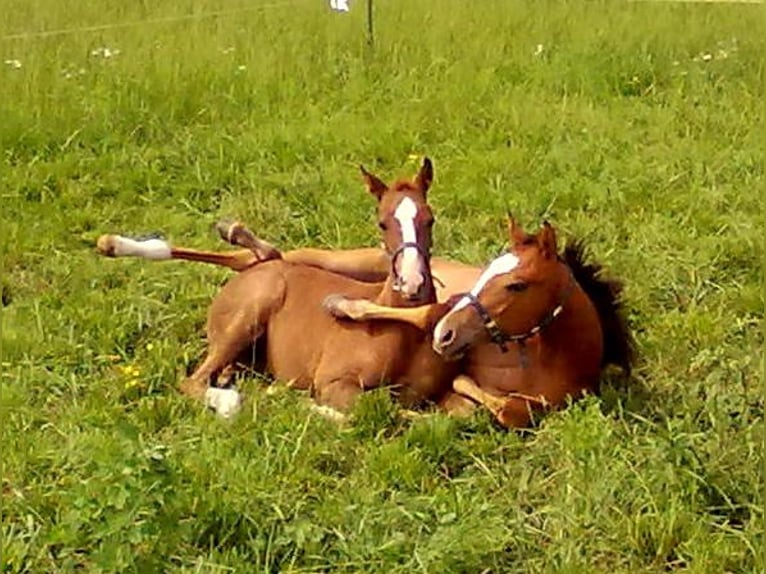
x: 225, y: 402
x: 148, y: 249
x: 405, y: 214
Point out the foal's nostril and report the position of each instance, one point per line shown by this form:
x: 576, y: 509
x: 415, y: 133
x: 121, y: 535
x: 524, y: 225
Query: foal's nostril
x: 447, y: 338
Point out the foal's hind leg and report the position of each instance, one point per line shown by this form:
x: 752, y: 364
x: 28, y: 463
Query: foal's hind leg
x: 158, y: 250
x: 237, y: 234
x: 225, y: 348
x: 367, y: 264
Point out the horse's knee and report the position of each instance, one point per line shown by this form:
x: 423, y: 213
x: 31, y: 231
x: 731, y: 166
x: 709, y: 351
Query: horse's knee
x: 340, y: 395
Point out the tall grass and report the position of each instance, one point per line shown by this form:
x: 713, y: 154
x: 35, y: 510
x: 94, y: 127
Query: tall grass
x: 635, y: 125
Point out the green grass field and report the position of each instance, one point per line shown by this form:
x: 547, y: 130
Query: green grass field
x: 635, y: 125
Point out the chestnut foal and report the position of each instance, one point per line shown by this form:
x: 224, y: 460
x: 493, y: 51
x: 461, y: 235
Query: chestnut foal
x: 280, y: 304
x: 534, y: 331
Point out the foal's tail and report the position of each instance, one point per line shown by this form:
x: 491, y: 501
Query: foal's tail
x: 255, y: 250
x: 606, y: 295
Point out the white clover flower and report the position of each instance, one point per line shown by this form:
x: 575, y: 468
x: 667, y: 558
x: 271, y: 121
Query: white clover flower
x: 339, y: 5
x: 539, y: 49
x: 105, y: 52
x: 228, y: 50
x: 13, y: 64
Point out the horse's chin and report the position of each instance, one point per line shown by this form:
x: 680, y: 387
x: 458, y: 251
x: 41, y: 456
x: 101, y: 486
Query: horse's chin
x: 451, y: 355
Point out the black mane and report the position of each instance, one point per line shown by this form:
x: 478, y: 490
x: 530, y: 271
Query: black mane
x: 606, y: 295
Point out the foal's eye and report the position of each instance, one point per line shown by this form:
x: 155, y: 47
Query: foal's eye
x: 517, y: 287
x: 382, y: 226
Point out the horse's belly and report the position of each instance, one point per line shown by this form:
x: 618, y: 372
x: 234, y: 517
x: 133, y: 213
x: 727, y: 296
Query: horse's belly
x: 361, y: 354
x: 291, y: 353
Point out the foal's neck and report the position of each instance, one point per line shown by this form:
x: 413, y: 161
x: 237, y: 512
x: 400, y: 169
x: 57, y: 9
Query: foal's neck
x: 576, y: 331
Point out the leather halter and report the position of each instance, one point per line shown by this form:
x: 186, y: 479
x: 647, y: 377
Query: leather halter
x: 398, y: 281
x: 500, y: 337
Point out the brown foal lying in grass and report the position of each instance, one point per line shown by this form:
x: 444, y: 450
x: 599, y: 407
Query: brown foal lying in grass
x: 280, y: 304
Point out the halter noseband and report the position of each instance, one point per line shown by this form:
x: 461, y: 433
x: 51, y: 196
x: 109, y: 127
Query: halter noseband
x: 398, y: 281
x: 500, y: 337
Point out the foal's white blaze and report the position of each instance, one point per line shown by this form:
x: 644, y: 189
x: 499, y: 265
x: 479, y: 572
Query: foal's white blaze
x: 410, y: 258
x: 503, y: 264
x: 148, y: 249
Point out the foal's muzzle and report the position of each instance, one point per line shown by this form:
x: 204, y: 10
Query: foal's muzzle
x: 409, y: 275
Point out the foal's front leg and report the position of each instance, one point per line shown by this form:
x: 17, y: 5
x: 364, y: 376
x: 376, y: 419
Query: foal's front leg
x: 513, y: 411
x: 423, y: 317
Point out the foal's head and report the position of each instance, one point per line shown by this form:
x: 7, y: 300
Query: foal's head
x: 515, y: 295
x: 405, y: 222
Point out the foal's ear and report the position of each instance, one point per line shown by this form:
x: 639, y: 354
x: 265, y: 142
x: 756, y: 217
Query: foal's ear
x: 374, y: 185
x: 425, y: 175
x: 546, y: 239
x: 515, y: 233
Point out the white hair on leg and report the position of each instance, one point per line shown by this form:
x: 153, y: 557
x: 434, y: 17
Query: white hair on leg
x: 156, y: 249
x: 225, y: 402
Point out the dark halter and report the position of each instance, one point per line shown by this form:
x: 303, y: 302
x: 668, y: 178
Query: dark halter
x: 397, y: 253
x: 500, y: 337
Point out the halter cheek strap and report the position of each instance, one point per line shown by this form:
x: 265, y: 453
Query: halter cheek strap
x: 500, y: 337
x: 496, y: 334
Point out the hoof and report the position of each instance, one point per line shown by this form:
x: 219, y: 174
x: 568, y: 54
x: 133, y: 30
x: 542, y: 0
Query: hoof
x: 226, y: 228
x: 106, y: 245
x: 225, y: 402
x: 329, y: 413
x: 335, y: 305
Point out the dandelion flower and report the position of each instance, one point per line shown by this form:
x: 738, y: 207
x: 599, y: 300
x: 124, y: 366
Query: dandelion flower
x: 539, y: 50
x: 14, y: 64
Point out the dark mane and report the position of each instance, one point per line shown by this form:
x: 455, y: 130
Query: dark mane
x: 606, y: 295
